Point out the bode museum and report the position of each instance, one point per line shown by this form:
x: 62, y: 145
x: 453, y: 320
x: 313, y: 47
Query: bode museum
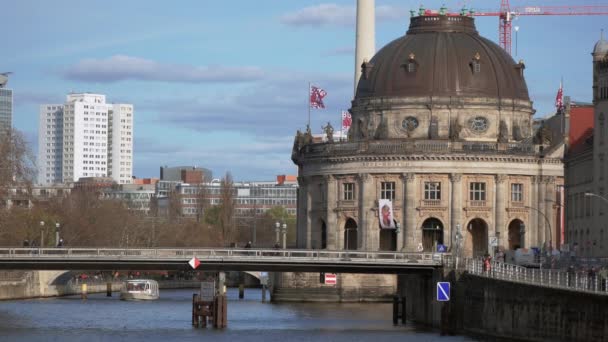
x: 441, y: 153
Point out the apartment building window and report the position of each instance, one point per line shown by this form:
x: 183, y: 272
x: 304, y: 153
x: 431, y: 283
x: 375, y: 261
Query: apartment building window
x: 517, y: 192
x: 387, y: 190
x: 432, y: 190
x: 348, y: 191
x: 477, y: 191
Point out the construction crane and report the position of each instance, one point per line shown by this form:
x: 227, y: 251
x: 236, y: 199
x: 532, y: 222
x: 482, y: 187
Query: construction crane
x: 506, y: 15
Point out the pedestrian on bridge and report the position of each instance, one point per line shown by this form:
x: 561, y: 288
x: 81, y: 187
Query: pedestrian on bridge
x: 487, y: 265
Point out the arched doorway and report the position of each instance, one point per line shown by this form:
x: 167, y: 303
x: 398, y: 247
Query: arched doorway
x: 323, y: 235
x: 388, y: 239
x: 516, y: 234
x: 432, y: 234
x: 476, y: 243
x: 350, y: 234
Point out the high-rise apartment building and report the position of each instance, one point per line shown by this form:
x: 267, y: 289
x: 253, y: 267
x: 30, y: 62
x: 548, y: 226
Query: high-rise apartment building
x: 6, y: 104
x: 85, y: 137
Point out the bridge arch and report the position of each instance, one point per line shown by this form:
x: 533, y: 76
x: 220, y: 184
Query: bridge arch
x: 476, y: 238
x: 350, y: 234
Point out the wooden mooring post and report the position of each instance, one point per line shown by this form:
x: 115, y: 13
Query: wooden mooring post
x: 399, y: 310
x: 211, y: 304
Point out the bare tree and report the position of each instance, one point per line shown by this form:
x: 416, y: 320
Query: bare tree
x: 202, y: 199
x: 17, y: 162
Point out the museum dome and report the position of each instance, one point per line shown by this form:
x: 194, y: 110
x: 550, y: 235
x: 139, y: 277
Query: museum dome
x: 442, y: 56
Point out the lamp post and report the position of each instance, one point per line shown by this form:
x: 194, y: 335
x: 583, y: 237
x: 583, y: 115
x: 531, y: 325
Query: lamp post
x: 546, y: 220
x: 591, y: 194
x: 458, y: 236
x: 56, y: 234
x: 41, y: 234
x: 277, y: 229
x: 284, y: 235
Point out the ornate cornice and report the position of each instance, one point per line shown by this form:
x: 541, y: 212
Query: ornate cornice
x: 432, y: 157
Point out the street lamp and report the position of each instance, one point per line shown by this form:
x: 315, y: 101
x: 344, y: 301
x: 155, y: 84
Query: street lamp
x: 56, y: 234
x: 591, y: 194
x: 284, y: 235
x: 277, y: 229
x: 546, y: 220
x: 41, y: 234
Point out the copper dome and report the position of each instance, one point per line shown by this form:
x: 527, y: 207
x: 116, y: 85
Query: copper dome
x: 442, y: 56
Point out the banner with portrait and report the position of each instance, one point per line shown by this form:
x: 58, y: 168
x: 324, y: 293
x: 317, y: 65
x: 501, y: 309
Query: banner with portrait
x: 385, y: 214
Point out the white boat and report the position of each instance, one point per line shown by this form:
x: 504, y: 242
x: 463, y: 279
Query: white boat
x: 139, y: 289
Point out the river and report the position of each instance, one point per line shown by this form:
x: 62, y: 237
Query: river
x: 102, y: 318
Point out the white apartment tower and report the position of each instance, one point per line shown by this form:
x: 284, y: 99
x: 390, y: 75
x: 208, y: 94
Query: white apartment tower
x: 85, y: 137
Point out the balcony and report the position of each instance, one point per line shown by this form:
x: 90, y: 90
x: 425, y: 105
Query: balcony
x: 477, y: 203
x: 430, y: 203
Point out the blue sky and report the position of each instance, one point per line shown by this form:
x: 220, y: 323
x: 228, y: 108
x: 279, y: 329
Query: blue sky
x: 223, y: 84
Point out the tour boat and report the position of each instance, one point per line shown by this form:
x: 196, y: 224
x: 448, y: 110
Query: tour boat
x: 139, y: 289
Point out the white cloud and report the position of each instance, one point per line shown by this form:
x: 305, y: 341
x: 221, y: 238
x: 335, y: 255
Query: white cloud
x: 336, y: 15
x: 121, y: 67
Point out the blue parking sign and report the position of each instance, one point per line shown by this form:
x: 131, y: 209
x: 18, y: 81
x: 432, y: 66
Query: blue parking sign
x: 443, y: 291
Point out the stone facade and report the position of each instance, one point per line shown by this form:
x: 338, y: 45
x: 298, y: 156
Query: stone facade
x: 586, y: 168
x: 464, y: 168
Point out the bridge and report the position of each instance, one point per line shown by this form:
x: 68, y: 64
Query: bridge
x: 219, y: 259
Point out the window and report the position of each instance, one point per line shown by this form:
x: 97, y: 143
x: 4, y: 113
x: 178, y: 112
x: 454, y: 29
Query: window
x: 517, y: 192
x: 477, y: 191
x: 432, y: 190
x: 387, y: 191
x: 349, y: 191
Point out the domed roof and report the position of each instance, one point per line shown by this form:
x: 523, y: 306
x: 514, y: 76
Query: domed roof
x: 442, y: 56
x: 601, y: 47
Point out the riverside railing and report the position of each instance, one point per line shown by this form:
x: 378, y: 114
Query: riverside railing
x: 539, y: 277
x: 232, y: 254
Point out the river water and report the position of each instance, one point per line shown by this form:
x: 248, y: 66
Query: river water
x: 102, y: 318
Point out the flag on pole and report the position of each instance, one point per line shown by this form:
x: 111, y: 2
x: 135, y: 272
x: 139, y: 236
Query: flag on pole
x: 316, y: 97
x: 559, y: 99
x: 347, y: 120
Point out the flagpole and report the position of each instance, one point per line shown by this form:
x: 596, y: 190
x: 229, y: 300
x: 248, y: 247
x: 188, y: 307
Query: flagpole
x: 308, y: 101
x: 341, y: 125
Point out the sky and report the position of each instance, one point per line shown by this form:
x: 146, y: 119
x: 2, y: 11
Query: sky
x: 224, y: 84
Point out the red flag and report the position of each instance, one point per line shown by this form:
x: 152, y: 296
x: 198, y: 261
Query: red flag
x: 316, y: 97
x: 559, y: 99
x: 347, y: 120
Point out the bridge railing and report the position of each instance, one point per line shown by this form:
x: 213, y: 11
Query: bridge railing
x: 539, y: 277
x: 227, y: 253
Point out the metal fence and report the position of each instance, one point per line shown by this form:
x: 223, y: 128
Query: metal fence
x: 539, y: 277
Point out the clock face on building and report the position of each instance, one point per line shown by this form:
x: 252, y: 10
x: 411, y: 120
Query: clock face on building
x: 478, y: 124
x: 410, y: 123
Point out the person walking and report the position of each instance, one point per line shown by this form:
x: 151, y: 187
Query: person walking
x: 487, y: 265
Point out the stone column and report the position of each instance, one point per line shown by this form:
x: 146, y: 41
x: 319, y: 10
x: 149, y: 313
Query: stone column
x: 302, y: 213
x: 309, y: 215
x: 500, y: 208
x: 532, y: 226
x: 548, y: 210
x: 456, y: 207
x: 540, y: 205
x: 366, y: 199
x: 331, y: 221
x: 410, y: 237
